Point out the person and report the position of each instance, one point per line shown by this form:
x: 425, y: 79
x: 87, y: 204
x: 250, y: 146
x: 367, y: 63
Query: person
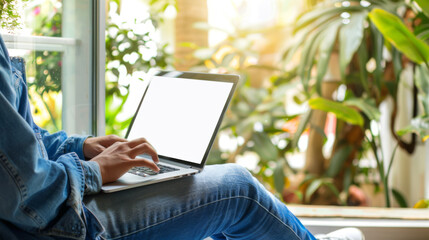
x: 51, y: 186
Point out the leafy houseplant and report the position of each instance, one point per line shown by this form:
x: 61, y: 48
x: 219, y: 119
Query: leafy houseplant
x: 253, y: 123
x: 343, y: 28
x: 366, y: 78
x: 415, y: 47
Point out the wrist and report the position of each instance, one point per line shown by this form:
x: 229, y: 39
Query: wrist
x: 86, y: 148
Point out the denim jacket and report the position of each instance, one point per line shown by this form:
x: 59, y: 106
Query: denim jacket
x: 43, y: 177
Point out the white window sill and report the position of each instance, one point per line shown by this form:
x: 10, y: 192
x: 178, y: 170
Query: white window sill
x: 376, y: 223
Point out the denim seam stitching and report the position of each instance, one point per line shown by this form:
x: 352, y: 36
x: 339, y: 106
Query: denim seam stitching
x: 14, y: 175
x: 103, y: 228
x: 82, y: 172
x: 204, y: 205
x: 31, y: 213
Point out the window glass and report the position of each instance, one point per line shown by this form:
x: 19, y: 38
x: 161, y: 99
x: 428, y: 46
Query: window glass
x: 42, y: 18
x: 133, y: 47
x: 55, y: 39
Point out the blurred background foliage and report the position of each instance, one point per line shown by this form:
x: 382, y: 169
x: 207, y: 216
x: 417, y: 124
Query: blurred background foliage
x: 130, y: 47
x: 44, y: 67
x: 346, y: 64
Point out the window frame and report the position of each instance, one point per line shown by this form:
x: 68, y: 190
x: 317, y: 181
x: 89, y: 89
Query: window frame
x: 99, y: 55
x: 83, y: 110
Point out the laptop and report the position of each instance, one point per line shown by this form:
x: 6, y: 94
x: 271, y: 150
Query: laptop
x: 179, y: 114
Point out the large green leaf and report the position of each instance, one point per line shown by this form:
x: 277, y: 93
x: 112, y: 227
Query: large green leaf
x: 363, y: 59
x: 395, y: 31
x: 310, y: 17
x: 340, y: 110
x: 264, y: 147
x: 312, y: 188
x: 378, y: 42
x: 337, y: 161
x: 314, y: 23
x: 424, y: 5
x: 310, y: 45
x: 308, y: 57
x: 367, y: 106
x: 325, y: 50
x: 322, y: 14
x: 303, y: 122
x: 421, y: 78
x: 419, y: 125
x: 279, y: 177
x: 400, y: 199
x: 351, y: 36
x: 397, y: 67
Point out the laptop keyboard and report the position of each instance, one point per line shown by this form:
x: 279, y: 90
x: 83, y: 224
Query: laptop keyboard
x: 144, y: 171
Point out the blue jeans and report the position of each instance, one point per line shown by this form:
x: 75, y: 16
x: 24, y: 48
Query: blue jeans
x: 223, y: 201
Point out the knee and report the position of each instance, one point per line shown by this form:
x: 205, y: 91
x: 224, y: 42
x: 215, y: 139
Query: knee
x: 237, y: 176
x: 237, y: 171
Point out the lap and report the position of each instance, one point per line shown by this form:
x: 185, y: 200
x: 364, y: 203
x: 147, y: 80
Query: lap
x: 222, y: 200
x: 141, y: 208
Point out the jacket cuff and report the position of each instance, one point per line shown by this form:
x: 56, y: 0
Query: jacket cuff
x: 92, y: 175
x: 75, y: 144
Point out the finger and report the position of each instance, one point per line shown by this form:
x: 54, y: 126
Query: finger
x: 154, y: 158
x: 144, y: 148
x: 143, y: 162
x: 136, y: 142
x: 111, y: 139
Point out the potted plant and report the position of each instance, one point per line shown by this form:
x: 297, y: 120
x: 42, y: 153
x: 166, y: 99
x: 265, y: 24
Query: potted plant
x: 366, y: 78
x: 414, y: 46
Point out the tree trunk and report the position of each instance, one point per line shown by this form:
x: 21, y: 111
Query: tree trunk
x: 189, y: 13
x: 315, y: 161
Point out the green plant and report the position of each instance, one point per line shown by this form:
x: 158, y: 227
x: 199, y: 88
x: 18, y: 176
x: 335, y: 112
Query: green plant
x: 343, y: 28
x: 414, y: 45
x: 9, y: 15
x: 255, y: 124
x: 43, y: 67
x: 47, y: 65
x: 129, y: 48
x: 417, y: 51
x: 44, y: 71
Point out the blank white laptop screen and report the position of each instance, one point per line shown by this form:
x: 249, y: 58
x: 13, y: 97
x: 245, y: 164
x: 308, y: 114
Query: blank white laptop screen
x: 178, y: 116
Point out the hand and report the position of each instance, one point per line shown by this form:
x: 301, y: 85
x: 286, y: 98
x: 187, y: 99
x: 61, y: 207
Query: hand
x: 96, y: 145
x: 121, y: 156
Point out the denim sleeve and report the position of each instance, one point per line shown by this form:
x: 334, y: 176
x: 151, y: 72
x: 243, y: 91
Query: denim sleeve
x: 59, y: 143
x: 40, y: 196
x: 92, y: 174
